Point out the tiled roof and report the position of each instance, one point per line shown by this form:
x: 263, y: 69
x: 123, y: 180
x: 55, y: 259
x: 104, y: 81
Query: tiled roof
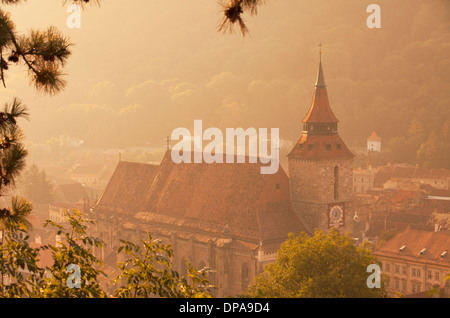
x: 431, y: 173
x: 382, y: 175
x: 436, y: 243
x: 409, y: 217
x: 374, y: 137
x: 440, y: 193
x: 73, y: 192
x: 405, y: 195
x: 93, y: 169
x: 320, y: 110
x: 320, y: 148
x: 127, y: 187
x: 405, y: 171
x: 205, y: 197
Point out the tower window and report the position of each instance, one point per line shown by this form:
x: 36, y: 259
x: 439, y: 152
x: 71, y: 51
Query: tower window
x: 336, y: 183
x: 245, y: 278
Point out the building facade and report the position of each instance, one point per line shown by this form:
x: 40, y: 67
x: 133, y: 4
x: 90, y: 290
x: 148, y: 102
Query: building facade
x: 230, y: 217
x: 227, y: 217
x: 415, y: 261
x: 374, y: 143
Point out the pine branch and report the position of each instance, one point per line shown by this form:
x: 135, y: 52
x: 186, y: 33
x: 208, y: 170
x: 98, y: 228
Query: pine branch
x: 44, y: 53
x: 233, y: 11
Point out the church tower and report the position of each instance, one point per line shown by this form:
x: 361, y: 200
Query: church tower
x: 321, y: 167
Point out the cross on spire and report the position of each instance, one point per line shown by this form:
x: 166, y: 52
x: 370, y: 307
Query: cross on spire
x: 320, y: 50
x: 320, y: 78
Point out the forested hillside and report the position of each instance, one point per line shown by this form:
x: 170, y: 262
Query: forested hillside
x: 394, y: 80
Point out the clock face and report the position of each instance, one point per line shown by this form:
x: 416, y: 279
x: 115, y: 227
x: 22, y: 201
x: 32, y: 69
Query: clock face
x: 336, y: 215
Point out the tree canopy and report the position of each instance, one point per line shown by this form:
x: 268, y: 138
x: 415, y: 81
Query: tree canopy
x: 324, y: 265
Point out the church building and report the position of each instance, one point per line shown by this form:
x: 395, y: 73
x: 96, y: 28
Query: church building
x: 230, y: 217
x: 321, y: 167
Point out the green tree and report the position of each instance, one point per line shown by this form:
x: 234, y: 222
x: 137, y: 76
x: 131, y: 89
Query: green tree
x: 401, y: 150
x: 416, y: 132
x: 323, y: 265
x: 13, y: 223
x: 20, y: 274
x: 35, y: 185
x: 148, y: 272
x: 74, y: 248
x: 43, y: 52
x: 434, y: 153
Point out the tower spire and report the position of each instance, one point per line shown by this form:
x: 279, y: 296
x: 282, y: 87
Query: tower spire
x: 320, y: 51
x: 320, y: 82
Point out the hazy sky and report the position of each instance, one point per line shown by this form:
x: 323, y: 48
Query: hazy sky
x: 141, y: 68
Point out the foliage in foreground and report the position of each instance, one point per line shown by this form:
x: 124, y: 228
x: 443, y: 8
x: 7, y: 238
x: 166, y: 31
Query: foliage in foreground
x: 147, y: 270
x: 319, y: 266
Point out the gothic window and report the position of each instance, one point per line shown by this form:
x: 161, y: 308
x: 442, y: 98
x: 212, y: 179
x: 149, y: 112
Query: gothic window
x: 244, y: 276
x: 336, y: 183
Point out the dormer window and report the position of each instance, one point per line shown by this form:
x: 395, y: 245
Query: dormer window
x: 310, y: 147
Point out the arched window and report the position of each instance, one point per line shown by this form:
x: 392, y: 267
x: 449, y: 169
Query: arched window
x: 336, y: 183
x: 244, y: 276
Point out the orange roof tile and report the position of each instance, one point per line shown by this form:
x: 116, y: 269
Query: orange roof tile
x: 205, y: 197
x: 415, y: 241
x: 320, y: 110
x: 74, y: 192
x: 373, y: 137
x: 127, y: 187
x: 405, y: 195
